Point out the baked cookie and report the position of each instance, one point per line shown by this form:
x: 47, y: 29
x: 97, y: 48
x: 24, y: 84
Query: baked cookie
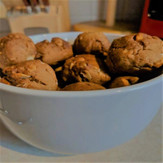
x: 32, y: 74
x: 91, y: 43
x: 4, y: 81
x: 16, y: 48
x: 123, y: 81
x: 83, y: 86
x: 53, y: 52
x: 84, y: 68
x: 135, y: 54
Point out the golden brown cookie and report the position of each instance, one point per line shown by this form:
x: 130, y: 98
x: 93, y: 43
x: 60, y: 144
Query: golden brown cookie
x: 135, y: 53
x: 4, y: 81
x: 16, y: 48
x: 123, y: 81
x: 83, y: 86
x: 53, y: 52
x: 84, y: 68
x: 32, y: 74
x: 91, y: 43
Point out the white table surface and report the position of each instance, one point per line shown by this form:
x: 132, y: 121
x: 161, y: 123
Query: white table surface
x: 145, y: 147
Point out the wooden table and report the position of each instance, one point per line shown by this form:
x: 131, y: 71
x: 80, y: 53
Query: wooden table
x: 100, y: 26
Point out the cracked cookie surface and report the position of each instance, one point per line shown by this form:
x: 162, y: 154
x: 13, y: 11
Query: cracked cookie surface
x: 83, y: 86
x: 86, y: 68
x: 135, y: 54
x: 31, y: 74
x: 91, y: 43
x: 16, y: 48
x: 53, y: 52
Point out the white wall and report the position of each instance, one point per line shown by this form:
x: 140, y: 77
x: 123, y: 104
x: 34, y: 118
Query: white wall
x: 87, y: 10
x: 83, y: 10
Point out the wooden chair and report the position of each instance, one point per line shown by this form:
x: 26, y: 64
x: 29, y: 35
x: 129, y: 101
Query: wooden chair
x: 56, y: 20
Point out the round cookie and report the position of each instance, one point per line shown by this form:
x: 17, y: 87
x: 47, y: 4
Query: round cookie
x: 4, y: 81
x: 84, y: 68
x: 16, y: 48
x: 32, y: 74
x: 134, y: 54
x: 123, y: 81
x: 53, y: 52
x: 82, y: 86
x: 91, y: 43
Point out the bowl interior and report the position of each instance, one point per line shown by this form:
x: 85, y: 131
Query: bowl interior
x: 70, y: 37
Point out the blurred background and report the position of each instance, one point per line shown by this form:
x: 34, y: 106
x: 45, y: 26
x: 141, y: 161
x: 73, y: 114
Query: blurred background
x: 48, y: 16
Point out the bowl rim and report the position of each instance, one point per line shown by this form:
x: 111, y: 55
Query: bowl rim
x: 48, y: 93
x: 110, y: 91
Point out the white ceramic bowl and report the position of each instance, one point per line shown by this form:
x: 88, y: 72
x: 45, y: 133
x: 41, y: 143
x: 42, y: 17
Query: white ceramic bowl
x: 79, y: 122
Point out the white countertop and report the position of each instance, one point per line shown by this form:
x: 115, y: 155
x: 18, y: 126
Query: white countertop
x: 145, y: 147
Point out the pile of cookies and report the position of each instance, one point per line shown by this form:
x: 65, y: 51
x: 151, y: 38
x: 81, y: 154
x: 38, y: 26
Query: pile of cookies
x: 91, y: 63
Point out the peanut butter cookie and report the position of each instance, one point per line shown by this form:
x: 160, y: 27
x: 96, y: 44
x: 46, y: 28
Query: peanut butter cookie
x: 31, y: 74
x: 123, y: 81
x: 91, y: 43
x: 84, y: 68
x: 134, y: 54
x: 53, y: 52
x: 83, y: 86
x: 16, y: 48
